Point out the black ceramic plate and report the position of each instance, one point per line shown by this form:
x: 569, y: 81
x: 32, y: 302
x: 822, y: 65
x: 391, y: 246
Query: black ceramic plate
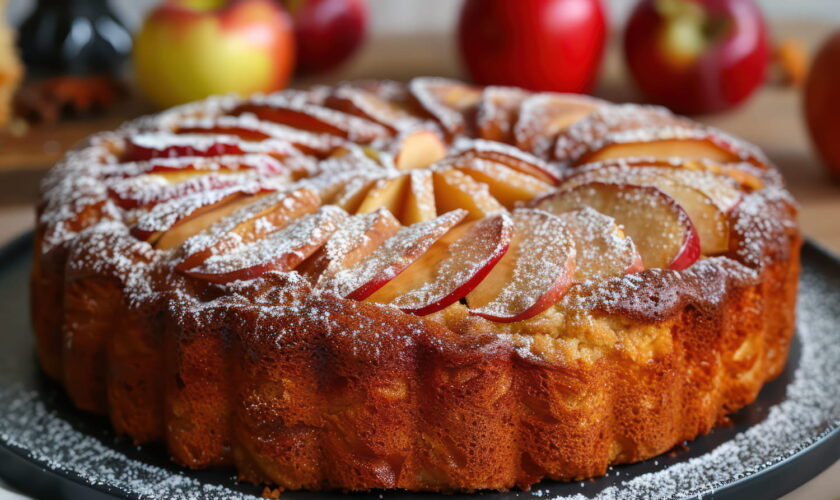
x: 792, y: 432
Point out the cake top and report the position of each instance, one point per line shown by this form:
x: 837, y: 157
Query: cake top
x: 490, y: 208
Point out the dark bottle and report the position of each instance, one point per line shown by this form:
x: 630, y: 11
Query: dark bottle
x: 73, y: 37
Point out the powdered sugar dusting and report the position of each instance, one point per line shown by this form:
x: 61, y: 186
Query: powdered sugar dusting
x: 394, y: 255
x: 540, y: 260
x: 466, y: 258
x: 309, y: 233
x: 602, y: 252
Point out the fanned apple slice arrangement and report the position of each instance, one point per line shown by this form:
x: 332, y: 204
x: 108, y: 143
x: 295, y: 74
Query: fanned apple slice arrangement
x: 425, y: 195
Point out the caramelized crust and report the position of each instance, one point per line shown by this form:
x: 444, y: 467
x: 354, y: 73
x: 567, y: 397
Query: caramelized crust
x: 303, y: 389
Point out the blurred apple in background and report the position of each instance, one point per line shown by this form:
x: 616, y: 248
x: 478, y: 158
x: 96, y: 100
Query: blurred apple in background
x: 327, y: 32
x: 697, y: 56
x: 822, y: 103
x: 537, y: 44
x: 190, y: 49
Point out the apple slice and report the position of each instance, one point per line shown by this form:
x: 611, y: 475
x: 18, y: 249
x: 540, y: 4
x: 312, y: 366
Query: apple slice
x: 200, y: 221
x: 420, y: 199
x: 390, y: 113
x: 153, y: 223
x: 505, y: 184
x: 354, y: 240
x: 451, y: 268
x: 148, y: 146
x: 743, y: 177
x: 724, y: 190
x: 497, y: 112
x: 385, y: 193
x: 262, y: 164
x: 152, y: 145
x: 690, y: 143
x: 602, y: 248
x: 661, y: 229
x: 251, y: 134
x: 391, y: 258
x: 251, y: 223
x: 542, y: 116
x: 454, y: 189
x: 536, y: 271
x: 629, y: 130
x: 709, y: 218
x: 449, y: 102
x: 248, y: 128
x: 417, y: 149
x: 279, y: 251
x: 507, y: 155
x: 150, y: 190
x: 574, y: 141
x: 305, y: 116
x: 352, y: 194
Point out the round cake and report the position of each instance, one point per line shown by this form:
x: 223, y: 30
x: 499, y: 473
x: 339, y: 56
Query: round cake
x: 427, y: 286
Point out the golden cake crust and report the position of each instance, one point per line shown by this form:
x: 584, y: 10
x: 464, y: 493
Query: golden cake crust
x: 307, y: 390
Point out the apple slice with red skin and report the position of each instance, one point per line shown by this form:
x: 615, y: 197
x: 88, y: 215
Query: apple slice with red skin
x: 450, y: 103
x: 280, y: 251
x: 148, y: 191
x: 534, y: 273
x: 251, y: 223
x: 149, y: 146
x: 451, y: 268
x: 163, y: 217
x: 708, y: 214
x: 392, y: 257
x: 497, y: 112
x: 744, y: 175
x: 313, y: 118
x: 507, y: 155
x: 630, y: 130
x: 689, y: 143
x: 355, y: 239
x: 391, y: 114
x: 244, y: 133
x: 542, y: 116
x: 603, y: 250
x: 248, y: 127
x: 185, y: 229
x: 266, y: 165
x: 724, y: 190
x: 574, y: 141
x: 659, y: 227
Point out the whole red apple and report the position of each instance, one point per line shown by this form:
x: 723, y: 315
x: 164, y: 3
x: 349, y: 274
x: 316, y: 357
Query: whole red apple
x: 551, y: 45
x: 328, y: 32
x: 697, y: 56
x: 190, y: 49
x: 822, y: 103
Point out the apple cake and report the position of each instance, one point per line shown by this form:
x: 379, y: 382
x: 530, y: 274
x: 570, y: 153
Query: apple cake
x: 427, y: 285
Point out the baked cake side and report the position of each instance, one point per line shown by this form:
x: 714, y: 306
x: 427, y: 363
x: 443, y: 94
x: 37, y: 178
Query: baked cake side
x: 426, y: 286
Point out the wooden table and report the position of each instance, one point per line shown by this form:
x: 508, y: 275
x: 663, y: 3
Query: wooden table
x: 772, y: 119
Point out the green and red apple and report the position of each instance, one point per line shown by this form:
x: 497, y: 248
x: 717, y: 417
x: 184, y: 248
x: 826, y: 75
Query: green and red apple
x: 190, y: 49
